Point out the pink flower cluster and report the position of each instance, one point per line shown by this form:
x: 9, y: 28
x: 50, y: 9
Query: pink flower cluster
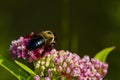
x: 18, y: 49
x: 70, y: 65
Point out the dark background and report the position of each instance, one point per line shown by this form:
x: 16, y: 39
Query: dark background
x: 81, y: 26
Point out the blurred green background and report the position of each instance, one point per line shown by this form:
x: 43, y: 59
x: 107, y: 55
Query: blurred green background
x: 81, y: 26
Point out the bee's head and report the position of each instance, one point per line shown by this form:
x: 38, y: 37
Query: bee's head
x: 49, y: 36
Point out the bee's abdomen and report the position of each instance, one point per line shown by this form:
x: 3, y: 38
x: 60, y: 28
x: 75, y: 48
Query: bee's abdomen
x: 35, y: 43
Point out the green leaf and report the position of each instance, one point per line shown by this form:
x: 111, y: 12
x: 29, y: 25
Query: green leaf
x: 102, y: 55
x: 25, y: 68
x: 19, y: 73
x: 30, y: 78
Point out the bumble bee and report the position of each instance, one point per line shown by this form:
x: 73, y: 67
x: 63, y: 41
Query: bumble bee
x: 46, y: 38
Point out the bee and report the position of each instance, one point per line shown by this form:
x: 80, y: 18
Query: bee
x: 46, y: 38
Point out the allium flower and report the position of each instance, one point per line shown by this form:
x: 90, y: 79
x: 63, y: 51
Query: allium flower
x: 18, y: 49
x: 67, y: 65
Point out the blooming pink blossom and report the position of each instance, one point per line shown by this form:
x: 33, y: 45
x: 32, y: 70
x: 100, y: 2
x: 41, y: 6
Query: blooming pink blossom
x: 18, y: 49
x: 69, y: 65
